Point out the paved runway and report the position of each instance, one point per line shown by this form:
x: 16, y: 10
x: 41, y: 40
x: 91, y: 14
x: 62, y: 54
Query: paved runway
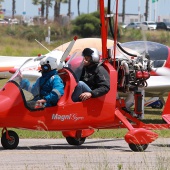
x: 95, y: 154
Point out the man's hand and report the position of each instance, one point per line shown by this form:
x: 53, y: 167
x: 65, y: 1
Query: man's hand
x: 40, y: 103
x: 85, y: 96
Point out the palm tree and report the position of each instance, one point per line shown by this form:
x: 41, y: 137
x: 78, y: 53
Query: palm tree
x: 37, y: 2
x: 57, y: 10
x: 1, y: 1
x: 123, y: 11
x: 13, y: 8
x: 146, y: 10
x: 98, y: 5
x: 69, y: 8
x: 78, y: 7
x: 47, y: 8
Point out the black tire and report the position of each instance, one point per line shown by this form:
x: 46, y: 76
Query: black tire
x: 158, y: 106
x: 74, y: 141
x: 10, y: 144
x: 138, y: 148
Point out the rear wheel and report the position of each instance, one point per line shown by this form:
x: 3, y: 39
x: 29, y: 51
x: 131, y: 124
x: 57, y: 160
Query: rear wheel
x: 75, y: 141
x: 138, y: 148
x: 10, y: 143
x: 159, y: 105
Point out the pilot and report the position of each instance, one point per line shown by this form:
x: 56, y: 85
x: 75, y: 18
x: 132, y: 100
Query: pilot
x: 48, y: 88
x: 94, y: 81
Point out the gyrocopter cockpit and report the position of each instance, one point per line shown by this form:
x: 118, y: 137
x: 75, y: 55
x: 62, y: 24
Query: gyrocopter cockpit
x: 30, y: 71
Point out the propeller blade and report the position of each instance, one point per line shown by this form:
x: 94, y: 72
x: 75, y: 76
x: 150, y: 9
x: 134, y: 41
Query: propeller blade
x: 162, y: 71
x: 67, y: 51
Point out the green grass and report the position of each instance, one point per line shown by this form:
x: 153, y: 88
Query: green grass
x: 16, y: 47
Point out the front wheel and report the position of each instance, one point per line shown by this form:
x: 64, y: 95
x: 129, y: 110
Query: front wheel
x: 10, y: 143
x: 138, y: 148
x: 75, y: 141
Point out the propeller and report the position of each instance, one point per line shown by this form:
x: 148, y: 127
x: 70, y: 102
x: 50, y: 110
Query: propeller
x: 61, y: 63
x: 67, y: 51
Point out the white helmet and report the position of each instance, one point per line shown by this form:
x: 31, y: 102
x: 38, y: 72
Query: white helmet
x: 93, y: 52
x: 50, y: 63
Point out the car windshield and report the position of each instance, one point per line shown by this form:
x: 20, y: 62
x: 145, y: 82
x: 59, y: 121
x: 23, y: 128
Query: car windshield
x: 167, y: 23
x: 151, y: 23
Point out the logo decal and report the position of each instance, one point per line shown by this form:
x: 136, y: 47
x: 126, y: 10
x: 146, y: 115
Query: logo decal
x: 62, y: 118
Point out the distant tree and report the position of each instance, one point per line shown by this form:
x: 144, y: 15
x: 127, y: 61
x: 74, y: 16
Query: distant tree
x: 86, y: 25
x: 13, y: 8
x: 78, y: 7
x: 57, y: 8
x: 69, y: 8
x: 123, y: 11
x: 98, y: 5
x: 146, y: 10
x: 42, y: 3
x: 48, y: 4
x: 45, y: 4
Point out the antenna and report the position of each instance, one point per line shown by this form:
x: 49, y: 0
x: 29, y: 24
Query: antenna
x: 42, y: 45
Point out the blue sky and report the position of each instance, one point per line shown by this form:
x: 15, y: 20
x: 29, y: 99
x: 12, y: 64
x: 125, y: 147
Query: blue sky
x: 131, y: 7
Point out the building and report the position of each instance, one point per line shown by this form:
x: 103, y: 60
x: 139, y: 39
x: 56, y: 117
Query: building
x: 140, y: 18
x: 131, y: 18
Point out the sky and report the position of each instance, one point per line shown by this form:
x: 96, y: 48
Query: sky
x: 132, y: 6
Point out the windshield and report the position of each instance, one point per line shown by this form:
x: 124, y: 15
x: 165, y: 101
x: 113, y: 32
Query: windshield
x: 75, y: 63
x: 29, y: 71
x: 158, y: 53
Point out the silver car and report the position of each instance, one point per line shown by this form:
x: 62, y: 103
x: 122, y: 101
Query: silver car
x: 3, y: 22
x: 133, y: 25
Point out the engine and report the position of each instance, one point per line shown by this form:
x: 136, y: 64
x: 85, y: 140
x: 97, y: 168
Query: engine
x: 132, y: 73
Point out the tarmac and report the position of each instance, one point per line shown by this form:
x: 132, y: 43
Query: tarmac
x: 99, y: 154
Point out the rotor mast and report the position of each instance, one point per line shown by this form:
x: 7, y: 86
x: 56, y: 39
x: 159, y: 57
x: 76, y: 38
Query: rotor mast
x: 104, y: 29
x: 115, y: 32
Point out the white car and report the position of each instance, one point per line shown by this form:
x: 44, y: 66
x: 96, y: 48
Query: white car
x: 3, y: 22
x: 148, y: 25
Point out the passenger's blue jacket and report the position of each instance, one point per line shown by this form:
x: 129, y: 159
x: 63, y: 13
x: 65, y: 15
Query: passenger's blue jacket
x: 49, y: 87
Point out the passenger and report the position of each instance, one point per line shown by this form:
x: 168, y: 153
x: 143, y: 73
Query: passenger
x: 47, y: 89
x: 94, y: 81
